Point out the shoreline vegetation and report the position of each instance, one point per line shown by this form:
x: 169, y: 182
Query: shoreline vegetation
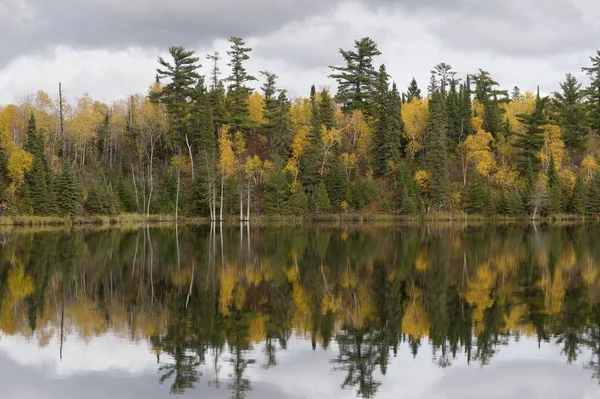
x: 133, y: 220
x: 202, y: 145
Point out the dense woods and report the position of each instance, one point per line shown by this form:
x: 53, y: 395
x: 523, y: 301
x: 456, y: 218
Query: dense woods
x: 218, y: 144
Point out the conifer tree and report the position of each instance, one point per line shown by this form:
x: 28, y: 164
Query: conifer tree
x: 356, y: 80
x: 555, y: 190
x: 531, y: 142
x: 238, y: 91
x: 413, y: 91
x: 217, y: 93
x: 490, y: 97
x: 39, y: 179
x: 593, y: 196
x: 321, y: 199
x: 68, y: 190
x: 436, y: 153
x: 443, y: 75
x: 407, y: 192
x: 390, y: 131
x: 478, y: 196
x: 577, y: 201
x: 592, y: 92
x: 569, y: 111
x: 336, y: 183
x: 311, y: 175
x: 455, y: 128
x: 466, y: 111
x: 277, y: 192
x: 277, y: 109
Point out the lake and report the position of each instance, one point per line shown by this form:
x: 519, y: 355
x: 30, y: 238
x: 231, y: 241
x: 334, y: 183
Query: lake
x: 374, y: 311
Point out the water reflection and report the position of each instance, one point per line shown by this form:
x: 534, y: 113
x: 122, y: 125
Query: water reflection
x: 218, y: 308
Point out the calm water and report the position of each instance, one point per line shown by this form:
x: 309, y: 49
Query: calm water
x: 323, y: 312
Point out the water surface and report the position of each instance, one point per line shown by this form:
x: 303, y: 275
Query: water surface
x: 435, y: 311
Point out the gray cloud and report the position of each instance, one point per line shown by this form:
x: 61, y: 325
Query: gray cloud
x: 35, y: 25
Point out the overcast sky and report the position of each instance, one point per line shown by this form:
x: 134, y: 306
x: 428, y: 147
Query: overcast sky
x: 108, y: 48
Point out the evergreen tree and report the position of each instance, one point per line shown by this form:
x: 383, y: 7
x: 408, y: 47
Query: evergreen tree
x: 413, y: 91
x: 297, y: 203
x: 577, y: 201
x: 555, y: 190
x: 277, y: 110
x: 592, y: 93
x: 531, y: 142
x: 217, y: 93
x: 239, y: 92
x: 311, y: 160
x: 407, y: 192
x: 39, y: 184
x: 93, y: 203
x: 202, y: 127
x: 516, y: 94
x: 455, y: 126
x: 593, y: 196
x: 356, y: 80
x: 466, y: 111
x: 389, y: 133
x: 321, y: 199
x: 336, y: 183
x: 478, y: 199
x: 327, y: 111
x: 68, y: 190
x: 436, y: 154
x: 443, y: 75
x: 568, y: 110
x: 277, y: 192
x: 490, y: 97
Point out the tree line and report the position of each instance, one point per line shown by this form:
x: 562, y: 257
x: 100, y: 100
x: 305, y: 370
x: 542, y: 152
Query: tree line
x: 212, y: 144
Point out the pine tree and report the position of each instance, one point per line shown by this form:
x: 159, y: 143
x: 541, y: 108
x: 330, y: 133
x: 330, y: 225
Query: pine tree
x: 68, y: 190
x: 217, y: 93
x: 490, y: 97
x: 321, y: 199
x: 531, y: 142
x: 238, y: 91
x: 568, y: 110
x: 443, y: 74
x: 592, y: 93
x: 202, y: 127
x: 356, y: 80
x: 577, y: 201
x: 413, y: 91
x: 436, y: 153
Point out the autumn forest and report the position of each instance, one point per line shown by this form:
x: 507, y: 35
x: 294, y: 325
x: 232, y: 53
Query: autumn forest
x: 225, y: 144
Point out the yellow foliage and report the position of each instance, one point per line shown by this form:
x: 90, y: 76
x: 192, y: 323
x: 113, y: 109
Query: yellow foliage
x: 567, y: 177
x: 524, y: 105
x: 415, y: 321
x: 479, y: 150
x: 507, y: 177
x: 299, y: 144
x: 256, y: 104
x: 422, y: 177
x: 227, y: 163
x: 256, y: 330
x: 300, y: 113
x: 20, y: 284
x: 415, y: 115
x: 480, y: 289
x: 19, y: 163
x: 553, y: 146
x: 422, y: 261
x: 226, y: 286
x: 477, y: 122
x: 589, y: 167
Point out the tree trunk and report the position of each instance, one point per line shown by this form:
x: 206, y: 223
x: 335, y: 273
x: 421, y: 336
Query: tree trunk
x: 137, y: 199
x: 248, y: 204
x: 241, y: 204
x: 221, y: 206
x: 178, y: 181
x: 187, y: 142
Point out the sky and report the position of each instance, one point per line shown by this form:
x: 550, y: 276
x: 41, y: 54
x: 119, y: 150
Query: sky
x: 109, y: 366
x: 108, y: 48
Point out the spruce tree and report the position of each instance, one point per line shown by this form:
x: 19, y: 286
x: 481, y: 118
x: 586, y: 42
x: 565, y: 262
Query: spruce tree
x: 568, y: 110
x: 455, y: 126
x: 217, y: 93
x: 336, y: 183
x: 413, y: 91
x: 531, y: 142
x: 277, y: 192
x: 68, y: 190
x: 309, y: 164
x: 592, y: 93
x: 277, y: 114
x: 389, y: 133
x: 478, y: 196
x: 38, y: 180
x: 321, y: 199
x: 577, y: 201
x: 436, y: 153
x: 238, y: 91
x: 593, y: 196
x: 465, y: 109
x: 555, y: 191
x: 356, y: 80
x: 202, y: 127
x: 407, y: 192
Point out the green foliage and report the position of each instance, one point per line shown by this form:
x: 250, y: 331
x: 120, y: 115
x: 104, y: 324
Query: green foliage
x: 531, y: 142
x: 436, y: 153
x: 592, y: 93
x: 277, y: 113
x: 413, y: 91
x: 238, y: 91
x: 478, y: 196
x: 389, y: 134
x: 336, y: 182
x: 593, y: 196
x: 39, y: 180
x: 68, y: 191
x: 569, y: 111
x: 297, y: 203
x: 321, y: 201
x: 356, y: 80
x: 277, y: 194
x: 100, y: 200
x: 577, y: 201
x: 407, y: 192
x: 362, y: 192
x: 510, y: 204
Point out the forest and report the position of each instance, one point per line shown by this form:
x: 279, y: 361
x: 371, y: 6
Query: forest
x: 218, y: 144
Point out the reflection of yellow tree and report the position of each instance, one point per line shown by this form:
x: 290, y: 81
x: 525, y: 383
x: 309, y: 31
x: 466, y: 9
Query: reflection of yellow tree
x: 480, y: 292
x: 87, y: 319
x: 415, y: 321
x: 554, y: 292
